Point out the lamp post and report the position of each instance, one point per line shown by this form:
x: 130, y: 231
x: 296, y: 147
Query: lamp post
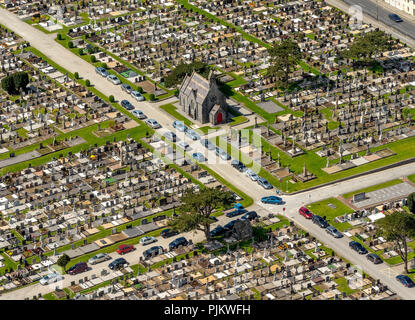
x: 377, y: 10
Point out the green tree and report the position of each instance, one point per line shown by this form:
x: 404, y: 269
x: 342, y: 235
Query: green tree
x: 197, y: 206
x: 152, y: 97
x: 87, y: 82
x: 7, y: 84
x: 63, y: 261
x: 111, y: 98
x: 80, y: 51
x: 398, y: 227
x: 411, y: 202
x: 93, y: 59
x: 21, y: 80
x: 177, y: 75
x: 76, y: 74
x: 284, y: 57
x: 70, y: 44
x: 59, y: 36
x: 139, y: 89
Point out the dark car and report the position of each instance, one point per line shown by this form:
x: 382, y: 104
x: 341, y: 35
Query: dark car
x: 405, y: 280
x: 321, y: 222
x: 251, y: 215
x: 77, y: 268
x: 373, y: 257
x: 125, y: 248
x: 395, y: 17
x: 117, y: 264
x: 358, y: 247
x: 153, y: 251
x: 217, y: 231
x: 235, y: 213
x: 238, y: 165
x: 127, y: 105
x: 167, y: 233
x: 178, y: 243
x: 229, y: 225
x: 101, y: 71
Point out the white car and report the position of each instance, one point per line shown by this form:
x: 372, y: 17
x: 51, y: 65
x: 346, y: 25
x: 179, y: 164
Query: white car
x: 139, y: 114
x: 100, y: 257
x: 51, y: 278
x: 113, y: 79
x: 147, y: 240
x: 137, y: 95
x: 249, y: 173
x: 184, y: 145
x: 153, y: 123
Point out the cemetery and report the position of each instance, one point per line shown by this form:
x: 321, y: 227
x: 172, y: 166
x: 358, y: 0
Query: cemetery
x: 287, y: 265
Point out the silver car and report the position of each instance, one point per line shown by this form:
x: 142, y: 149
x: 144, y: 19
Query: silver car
x: 50, y: 278
x: 98, y: 258
x: 334, y: 232
x: 147, y: 240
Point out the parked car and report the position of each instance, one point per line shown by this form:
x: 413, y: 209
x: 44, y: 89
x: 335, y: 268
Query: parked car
x: 192, y: 134
x: 153, y: 123
x: 334, y: 232
x: 126, y: 87
x: 251, y: 215
x: 51, y: 278
x: 373, y: 257
x: 239, y: 165
x: 137, y: 95
x: 321, y: 222
x: 252, y: 175
x: 264, y: 183
x: 395, y: 17
x: 147, y: 240
x: 139, y: 114
x: 113, y: 79
x: 222, y: 154
x: 272, y: 200
x: 77, y: 268
x: 184, y: 145
x: 171, y: 136
x: 305, y: 213
x: 178, y: 243
x: 217, y: 231
x: 179, y: 125
x: 207, y: 144
x: 234, y: 213
x: 125, y: 248
x: 98, y: 258
x: 127, y: 105
x: 405, y: 280
x: 358, y: 247
x: 167, y: 233
x: 198, y: 157
x: 117, y: 264
x: 101, y: 71
x: 229, y: 225
x: 153, y: 251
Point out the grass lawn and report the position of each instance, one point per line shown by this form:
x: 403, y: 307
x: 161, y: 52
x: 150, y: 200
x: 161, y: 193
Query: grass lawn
x: 238, y: 120
x: 321, y: 208
x: 343, y: 287
x: 373, y: 188
x: 172, y: 110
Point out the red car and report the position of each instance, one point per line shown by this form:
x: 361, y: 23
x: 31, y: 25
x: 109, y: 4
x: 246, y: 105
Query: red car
x: 305, y: 212
x: 125, y: 248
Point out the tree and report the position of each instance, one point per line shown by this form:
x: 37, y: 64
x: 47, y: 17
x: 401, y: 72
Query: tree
x: 63, y: 261
x: 177, y: 75
x: 398, y: 227
x: 80, y: 51
x: 87, y: 82
x: 284, y: 56
x: 152, y: 97
x: 70, y: 44
x: 93, y: 59
x: 111, y: 98
x: 411, y: 202
x: 76, y: 74
x: 139, y: 89
x: 368, y: 45
x: 197, y: 206
x: 14, y: 82
x: 59, y: 36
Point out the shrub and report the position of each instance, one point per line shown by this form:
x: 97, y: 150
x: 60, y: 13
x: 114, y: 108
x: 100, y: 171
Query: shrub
x: 93, y: 59
x: 87, y: 83
x: 76, y: 74
x: 139, y: 89
x: 111, y: 98
x: 80, y: 51
x: 59, y: 36
x: 14, y: 82
x: 70, y: 44
x: 152, y: 97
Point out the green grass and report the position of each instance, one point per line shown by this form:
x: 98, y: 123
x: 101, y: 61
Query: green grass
x: 321, y: 208
x: 172, y: 110
x: 238, y: 120
x: 343, y: 287
x: 373, y: 188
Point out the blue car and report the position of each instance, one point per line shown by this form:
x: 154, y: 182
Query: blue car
x: 235, y: 213
x: 217, y: 231
x: 229, y: 225
x: 127, y: 105
x: 405, y: 280
x: 251, y: 215
x: 198, y: 157
x: 179, y: 125
x: 272, y: 200
x: 192, y: 134
x: 264, y: 183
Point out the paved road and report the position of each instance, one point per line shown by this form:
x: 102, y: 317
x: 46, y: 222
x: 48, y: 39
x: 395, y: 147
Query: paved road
x: 73, y: 63
x: 405, y: 31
